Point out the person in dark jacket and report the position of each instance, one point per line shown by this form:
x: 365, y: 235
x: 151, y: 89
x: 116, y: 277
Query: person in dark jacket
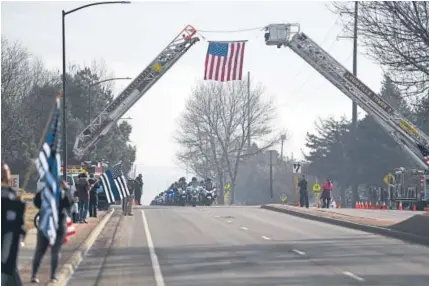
x: 138, y: 188
x: 12, y: 229
x: 82, y: 188
x: 93, y: 196
x: 303, y: 192
x: 43, y: 242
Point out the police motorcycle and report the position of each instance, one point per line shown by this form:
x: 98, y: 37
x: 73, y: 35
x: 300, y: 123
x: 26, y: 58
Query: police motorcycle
x: 209, y: 197
x: 193, y: 191
x: 182, y: 197
x: 169, y: 198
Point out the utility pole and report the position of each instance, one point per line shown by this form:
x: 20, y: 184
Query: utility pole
x: 282, y: 138
x: 248, y: 111
x: 271, y: 173
x: 354, y: 108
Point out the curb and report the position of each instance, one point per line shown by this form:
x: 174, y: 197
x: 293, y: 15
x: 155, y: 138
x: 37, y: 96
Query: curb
x: 412, y: 238
x: 67, y: 270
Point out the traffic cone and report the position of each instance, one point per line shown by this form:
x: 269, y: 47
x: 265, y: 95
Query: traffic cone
x: 361, y: 206
x: 318, y: 205
x: 377, y: 206
x: 298, y: 204
x: 370, y: 205
x: 338, y: 206
x: 357, y: 205
x: 366, y: 205
x: 384, y: 206
x: 400, y: 206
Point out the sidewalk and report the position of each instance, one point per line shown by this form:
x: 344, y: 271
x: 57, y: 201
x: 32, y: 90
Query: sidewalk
x: 27, y: 252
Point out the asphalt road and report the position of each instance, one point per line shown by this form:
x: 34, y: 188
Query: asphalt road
x: 377, y: 214
x: 244, y: 246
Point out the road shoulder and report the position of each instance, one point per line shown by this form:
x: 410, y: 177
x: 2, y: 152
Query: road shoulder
x: 384, y: 227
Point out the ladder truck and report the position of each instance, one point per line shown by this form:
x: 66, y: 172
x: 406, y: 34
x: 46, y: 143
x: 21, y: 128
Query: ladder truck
x: 411, y: 139
x: 101, y: 124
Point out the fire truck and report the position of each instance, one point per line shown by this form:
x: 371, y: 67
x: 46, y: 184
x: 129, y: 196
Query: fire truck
x: 410, y: 187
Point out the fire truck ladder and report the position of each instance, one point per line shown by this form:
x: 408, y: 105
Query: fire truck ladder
x: 134, y: 91
x: 414, y: 141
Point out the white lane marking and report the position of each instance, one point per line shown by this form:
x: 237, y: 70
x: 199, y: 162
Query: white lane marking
x: 298, y: 251
x: 351, y: 275
x: 159, y: 279
x: 229, y: 221
x: 216, y: 216
x: 244, y: 228
x: 266, y: 237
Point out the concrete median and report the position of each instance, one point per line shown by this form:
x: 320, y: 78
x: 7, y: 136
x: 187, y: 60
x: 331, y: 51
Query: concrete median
x: 407, y: 229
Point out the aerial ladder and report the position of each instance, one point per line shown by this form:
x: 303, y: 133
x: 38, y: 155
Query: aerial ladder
x: 411, y: 139
x: 101, y: 124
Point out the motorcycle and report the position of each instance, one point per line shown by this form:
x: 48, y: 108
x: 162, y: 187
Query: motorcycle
x: 193, y: 191
x: 209, y: 197
x: 182, y: 197
x: 170, y: 197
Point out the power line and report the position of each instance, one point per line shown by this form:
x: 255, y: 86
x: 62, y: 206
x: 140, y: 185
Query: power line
x: 231, y: 31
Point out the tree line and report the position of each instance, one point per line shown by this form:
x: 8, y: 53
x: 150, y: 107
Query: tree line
x: 28, y: 90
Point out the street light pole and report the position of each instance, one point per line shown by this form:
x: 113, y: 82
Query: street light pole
x: 63, y: 16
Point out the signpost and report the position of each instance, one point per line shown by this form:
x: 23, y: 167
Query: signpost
x: 390, y: 181
x: 296, y: 168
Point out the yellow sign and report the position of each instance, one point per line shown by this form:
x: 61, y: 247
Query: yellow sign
x: 411, y: 130
x: 316, y: 188
x: 389, y: 179
x: 157, y: 67
x: 283, y: 198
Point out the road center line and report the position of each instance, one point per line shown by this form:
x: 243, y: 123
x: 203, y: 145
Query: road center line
x: 298, y: 251
x: 159, y: 279
x: 229, y: 221
x: 351, y: 275
x: 244, y: 228
x: 266, y: 237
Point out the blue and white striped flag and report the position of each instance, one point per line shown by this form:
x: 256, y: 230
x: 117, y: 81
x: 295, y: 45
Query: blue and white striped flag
x: 114, y: 184
x: 48, y: 166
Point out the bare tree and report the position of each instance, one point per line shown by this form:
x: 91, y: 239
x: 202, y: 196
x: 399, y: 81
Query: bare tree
x: 396, y: 35
x: 213, y: 130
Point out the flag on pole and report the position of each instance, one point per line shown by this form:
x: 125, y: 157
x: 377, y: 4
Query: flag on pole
x: 114, y: 184
x: 224, y: 61
x: 48, y: 166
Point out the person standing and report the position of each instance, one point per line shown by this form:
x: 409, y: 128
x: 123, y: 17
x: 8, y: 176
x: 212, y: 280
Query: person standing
x: 65, y: 204
x: 82, y: 187
x: 93, y: 196
x: 326, y: 193
x: 12, y: 229
x: 138, y: 190
x: 303, y: 192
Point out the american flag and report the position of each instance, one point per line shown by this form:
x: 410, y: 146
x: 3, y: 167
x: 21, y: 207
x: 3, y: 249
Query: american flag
x: 224, y: 61
x: 48, y: 166
x: 425, y: 153
x: 114, y: 184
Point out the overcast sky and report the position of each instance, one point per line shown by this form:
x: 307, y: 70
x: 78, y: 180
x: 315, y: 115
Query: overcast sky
x: 128, y: 37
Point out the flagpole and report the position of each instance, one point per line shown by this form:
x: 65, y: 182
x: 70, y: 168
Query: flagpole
x: 45, y: 130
